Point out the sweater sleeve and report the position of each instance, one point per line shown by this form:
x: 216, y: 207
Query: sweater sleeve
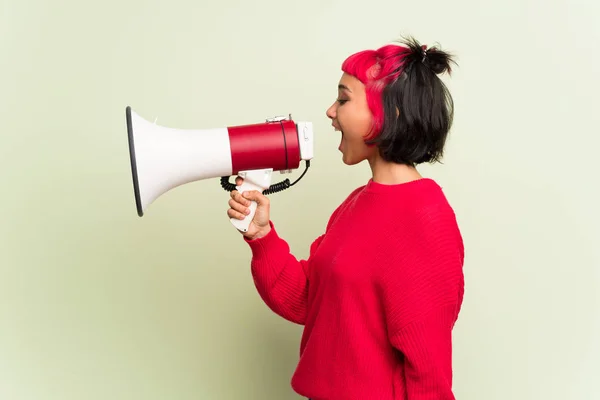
x: 426, y: 346
x: 422, y: 290
x: 280, y: 278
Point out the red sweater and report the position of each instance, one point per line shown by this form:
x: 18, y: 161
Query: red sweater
x: 378, y: 295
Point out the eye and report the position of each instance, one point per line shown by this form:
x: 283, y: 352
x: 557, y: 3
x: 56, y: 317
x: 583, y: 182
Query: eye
x: 341, y: 101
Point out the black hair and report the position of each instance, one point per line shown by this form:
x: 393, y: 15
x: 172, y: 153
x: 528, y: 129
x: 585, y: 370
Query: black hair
x: 418, y: 108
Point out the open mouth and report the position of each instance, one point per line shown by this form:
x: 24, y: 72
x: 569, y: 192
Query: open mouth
x: 341, y: 136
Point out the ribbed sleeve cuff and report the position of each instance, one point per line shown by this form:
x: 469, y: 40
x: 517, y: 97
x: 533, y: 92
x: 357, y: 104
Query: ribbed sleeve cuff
x: 262, y: 246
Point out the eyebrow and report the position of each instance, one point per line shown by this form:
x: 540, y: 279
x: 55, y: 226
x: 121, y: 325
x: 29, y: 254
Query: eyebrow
x: 344, y: 87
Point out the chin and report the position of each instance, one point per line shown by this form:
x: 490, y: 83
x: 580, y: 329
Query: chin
x: 350, y: 161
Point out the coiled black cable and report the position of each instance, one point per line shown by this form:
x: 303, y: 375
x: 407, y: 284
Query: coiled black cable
x: 274, y: 188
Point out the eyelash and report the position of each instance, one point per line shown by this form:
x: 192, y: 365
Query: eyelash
x: 341, y: 101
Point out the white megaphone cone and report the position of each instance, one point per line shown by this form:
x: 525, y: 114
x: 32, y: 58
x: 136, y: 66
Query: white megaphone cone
x: 163, y: 158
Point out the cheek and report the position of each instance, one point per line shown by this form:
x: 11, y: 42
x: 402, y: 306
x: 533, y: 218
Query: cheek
x: 356, y: 119
x: 361, y: 119
x: 366, y: 121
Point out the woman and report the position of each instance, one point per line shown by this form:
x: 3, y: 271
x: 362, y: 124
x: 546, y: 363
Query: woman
x: 382, y: 288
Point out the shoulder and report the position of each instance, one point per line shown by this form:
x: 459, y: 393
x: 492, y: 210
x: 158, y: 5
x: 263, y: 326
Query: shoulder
x: 347, y: 202
x: 424, y: 206
x: 424, y: 251
x: 426, y: 227
x: 354, y: 193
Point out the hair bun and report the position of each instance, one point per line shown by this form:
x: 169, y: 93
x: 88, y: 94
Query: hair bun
x: 437, y: 60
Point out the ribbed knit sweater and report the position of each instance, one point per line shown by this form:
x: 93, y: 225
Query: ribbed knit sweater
x: 378, y: 295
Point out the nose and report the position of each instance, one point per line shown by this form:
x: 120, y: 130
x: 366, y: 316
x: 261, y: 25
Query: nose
x: 331, y: 111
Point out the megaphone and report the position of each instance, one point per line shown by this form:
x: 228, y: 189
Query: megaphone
x: 163, y: 158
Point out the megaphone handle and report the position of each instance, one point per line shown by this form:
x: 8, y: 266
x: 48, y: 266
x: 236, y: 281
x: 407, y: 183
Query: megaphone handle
x: 243, y: 224
x: 253, y: 180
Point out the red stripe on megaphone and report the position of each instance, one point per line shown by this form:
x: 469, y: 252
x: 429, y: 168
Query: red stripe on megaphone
x: 265, y: 145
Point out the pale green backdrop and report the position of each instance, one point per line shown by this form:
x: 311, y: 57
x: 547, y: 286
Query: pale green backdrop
x: 97, y: 303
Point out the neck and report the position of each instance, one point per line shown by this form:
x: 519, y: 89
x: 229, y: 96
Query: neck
x: 390, y: 173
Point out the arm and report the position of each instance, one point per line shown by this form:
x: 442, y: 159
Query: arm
x: 280, y: 278
x: 422, y: 291
x: 426, y: 345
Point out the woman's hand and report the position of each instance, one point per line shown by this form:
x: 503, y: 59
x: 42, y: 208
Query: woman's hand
x: 239, y: 204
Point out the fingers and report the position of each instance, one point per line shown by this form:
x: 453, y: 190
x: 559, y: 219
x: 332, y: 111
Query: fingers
x: 255, y: 195
x: 240, y: 202
x: 239, y: 181
x: 238, y: 198
x: 250, y: 195
x: 231, y: 213
x: 238, y: 206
